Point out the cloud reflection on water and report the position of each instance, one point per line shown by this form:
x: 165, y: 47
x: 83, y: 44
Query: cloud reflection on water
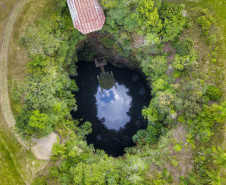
x: 113, y: 105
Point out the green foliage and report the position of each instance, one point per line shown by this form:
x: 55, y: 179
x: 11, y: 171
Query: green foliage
x: 181, y: 119
x: 181, y: 62
x: 192, y: 99
x: 173, y: 20
x: 156, y: 65
x: 39, y: 181
x: 176, y: 74
x: 213, y: 92
x: 178, y: 147
x: 164, y: 101
x: 220, y: 156
x: 212, y: 39
x: 184, y: 46
x: 41, y: 123
x: 41, y: 40
x: 148, y: 136
x: 159, y: 85
x: 206, y: 171
x: 87, y: 174
x: 150, y: 113
x: 174, y: 162
x: 204, y: 22
x: 85, y: 129
x: 81, y: 166
x: 215, y: 178
x: 45, y: 95
x: 136, y: 30
x: 148, y: 17
x: 93, y: 174
x: 109, y: 3
x: 202, y: 125
x: 152, y: 39
x: 121, y: 17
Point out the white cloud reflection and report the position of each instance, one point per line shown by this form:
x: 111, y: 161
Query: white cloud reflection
x: 112, y: 106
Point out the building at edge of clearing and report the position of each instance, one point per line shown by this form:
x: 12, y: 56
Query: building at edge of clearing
x: 87, y: 15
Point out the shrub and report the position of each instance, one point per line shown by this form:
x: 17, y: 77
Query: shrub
x: 181, y: 119
x: 184, y: 61
x: 159, y: 84
x: 148, y: 17
x: 38, y: 181
x: 212, y: 39
x: 174, y: 162
x: 150, y: 135
x: 213, y: 92
x: 156, y: 65
x: 176, y: 74
x: 173, y: 20
x: 184, y: 46
x: 204, y: 22
x: 178, y: 147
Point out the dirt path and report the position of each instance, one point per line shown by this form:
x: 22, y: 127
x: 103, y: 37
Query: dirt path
x: 2, y: 4
x: 5, y: 104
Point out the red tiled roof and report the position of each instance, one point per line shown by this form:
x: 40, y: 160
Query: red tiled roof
x: 87, y: 15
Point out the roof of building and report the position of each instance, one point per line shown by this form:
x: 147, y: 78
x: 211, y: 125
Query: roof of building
x: 87, y: 15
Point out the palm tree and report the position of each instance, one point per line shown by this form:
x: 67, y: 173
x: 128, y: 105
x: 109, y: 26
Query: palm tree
x: 214, y: 178
x: 219, y: 156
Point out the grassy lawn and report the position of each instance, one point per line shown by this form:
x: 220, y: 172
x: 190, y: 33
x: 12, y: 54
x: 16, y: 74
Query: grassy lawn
x: 8, y: 172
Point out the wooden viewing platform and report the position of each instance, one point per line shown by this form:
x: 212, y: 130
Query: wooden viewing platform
x: 99, y: 62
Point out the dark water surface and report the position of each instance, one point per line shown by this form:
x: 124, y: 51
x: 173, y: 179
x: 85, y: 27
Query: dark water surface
x: 115, y: 114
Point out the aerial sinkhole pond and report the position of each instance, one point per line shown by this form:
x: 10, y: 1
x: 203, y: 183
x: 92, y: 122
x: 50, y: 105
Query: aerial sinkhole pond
x: 115, y: 113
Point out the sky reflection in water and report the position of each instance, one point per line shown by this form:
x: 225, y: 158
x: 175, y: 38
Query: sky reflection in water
x: 113, y: 106
x: 115, y: 114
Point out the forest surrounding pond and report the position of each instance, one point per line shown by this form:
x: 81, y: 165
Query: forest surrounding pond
x: 178, y: 48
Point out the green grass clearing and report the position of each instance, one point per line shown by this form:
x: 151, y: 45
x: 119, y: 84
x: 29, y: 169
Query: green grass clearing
x: 8, y: 172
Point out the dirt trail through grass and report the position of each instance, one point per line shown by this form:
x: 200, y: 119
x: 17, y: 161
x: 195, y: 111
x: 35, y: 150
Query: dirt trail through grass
x: 5, y: 105
x: 18, y: 165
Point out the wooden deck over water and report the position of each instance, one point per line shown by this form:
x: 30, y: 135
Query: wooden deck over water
x: 99, y: 62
